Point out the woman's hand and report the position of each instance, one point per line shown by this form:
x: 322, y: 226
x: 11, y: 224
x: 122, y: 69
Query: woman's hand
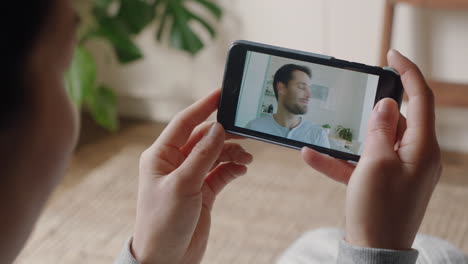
x: 180, y: 176
x: 389, y: 189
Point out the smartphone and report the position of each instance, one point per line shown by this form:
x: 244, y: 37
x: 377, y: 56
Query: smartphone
x: 295, y: 99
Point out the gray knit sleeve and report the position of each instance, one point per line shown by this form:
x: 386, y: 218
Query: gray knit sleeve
x: 348, y: 254
x: 125, y: 256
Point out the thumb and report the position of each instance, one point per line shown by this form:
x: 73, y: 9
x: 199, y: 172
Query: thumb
x: 191, y: 174
x: 382, y: 129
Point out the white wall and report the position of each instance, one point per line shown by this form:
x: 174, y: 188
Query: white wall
x: 166, y: 81
x: 252, y: 88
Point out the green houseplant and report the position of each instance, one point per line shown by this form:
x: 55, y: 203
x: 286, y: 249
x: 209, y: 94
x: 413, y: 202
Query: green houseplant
x: 118, y: 22
x: 344, y: 133
x: 327, y: 128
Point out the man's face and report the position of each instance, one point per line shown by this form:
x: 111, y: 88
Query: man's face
x: 295, y: 95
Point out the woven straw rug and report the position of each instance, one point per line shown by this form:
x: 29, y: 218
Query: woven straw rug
x: 255, y: 218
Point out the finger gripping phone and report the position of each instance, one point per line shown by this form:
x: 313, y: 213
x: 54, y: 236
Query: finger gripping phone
x: 294, y: 98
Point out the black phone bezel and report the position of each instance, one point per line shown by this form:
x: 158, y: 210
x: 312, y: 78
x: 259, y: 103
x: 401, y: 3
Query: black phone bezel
x: 389, y: 85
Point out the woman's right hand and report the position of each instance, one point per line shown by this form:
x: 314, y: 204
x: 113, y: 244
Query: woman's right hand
x: 181, y: 175
x: 389, y: 189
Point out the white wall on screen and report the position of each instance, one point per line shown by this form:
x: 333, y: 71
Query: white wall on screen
x: 369, y: 98
x: 350, y: 88
x: 252, y: 88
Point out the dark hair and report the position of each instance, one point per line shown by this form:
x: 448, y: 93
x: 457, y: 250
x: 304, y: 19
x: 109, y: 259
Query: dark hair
x: 284, y: 75
x: 21, y: 24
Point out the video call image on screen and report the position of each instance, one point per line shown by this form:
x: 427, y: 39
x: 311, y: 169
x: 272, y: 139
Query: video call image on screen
x: 307, y: 102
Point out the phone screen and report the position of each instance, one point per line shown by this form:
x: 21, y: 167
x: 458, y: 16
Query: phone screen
x: 307, y: 102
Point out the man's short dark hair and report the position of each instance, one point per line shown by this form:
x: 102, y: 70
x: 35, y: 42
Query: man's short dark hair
x: 284, y: 75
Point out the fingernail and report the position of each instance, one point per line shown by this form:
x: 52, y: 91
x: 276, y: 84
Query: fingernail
x: 384, y: 105
x: 393, y: 52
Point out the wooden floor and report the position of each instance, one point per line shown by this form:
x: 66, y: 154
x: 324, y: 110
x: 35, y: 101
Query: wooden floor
x: 255, y: 219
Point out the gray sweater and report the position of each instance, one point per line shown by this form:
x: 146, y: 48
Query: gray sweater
x: 347, y: 254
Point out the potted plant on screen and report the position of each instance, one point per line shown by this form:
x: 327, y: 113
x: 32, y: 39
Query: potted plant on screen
x: 327, y: 128
x: 344, y: 133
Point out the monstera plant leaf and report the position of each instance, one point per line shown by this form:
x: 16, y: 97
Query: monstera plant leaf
x: 181, y: 34
x: 118, y: 22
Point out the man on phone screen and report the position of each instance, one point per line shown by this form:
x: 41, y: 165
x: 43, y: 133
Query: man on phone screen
x: 291, y: 84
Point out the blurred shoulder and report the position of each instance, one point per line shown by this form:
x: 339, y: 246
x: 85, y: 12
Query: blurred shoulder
x: 261, y: 121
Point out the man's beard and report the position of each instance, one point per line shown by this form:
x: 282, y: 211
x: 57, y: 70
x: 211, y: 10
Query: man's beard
x: 296, y: 109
